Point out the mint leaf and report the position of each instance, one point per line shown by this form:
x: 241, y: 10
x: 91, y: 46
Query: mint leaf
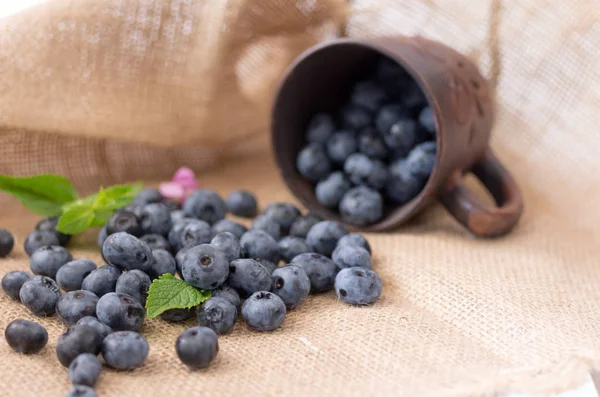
x: 168, y: 292
x: 42, y: 194
x: 116, y: 197
x: 76, y: 219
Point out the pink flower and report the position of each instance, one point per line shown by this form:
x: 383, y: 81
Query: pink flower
x: 183, y: 183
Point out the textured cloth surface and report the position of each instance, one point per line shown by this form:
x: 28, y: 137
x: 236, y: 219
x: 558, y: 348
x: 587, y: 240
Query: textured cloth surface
x: 458, y: 316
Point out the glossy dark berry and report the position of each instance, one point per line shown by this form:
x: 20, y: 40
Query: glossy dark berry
x: 321, y: 270
x: 421, y: 160
x: 351, y: 256
x: 127, y: 252
x: 361, y: 206
x: 125, y: 350
x: 205, y: 267
x: 247, y: 276
x: 362, y: 170
x: 49, y: 225
x: 85, y: 370
x: 13, y: 281
x: 48, y: 259
x: 197, y: 347
x: 206, y: 205
x: 123, y: 221
x: 217, y: 314
x: 242, y: 203
x: 291, y: 284
x: 74, y: 305
x: 102, y: 280
x: 103, y: 329
x: 372, y: 144
x: 291, y: 246
x: 369, y: 95
x: 264, y: 311
x: 283, y: 213
x: 196, y: 233
x: 268, y: 225
x: 340, y: 145
x: 134, y: 283
x: 229, y: 244
x: 324, y: 236
x: 71, y: 275
x: 177, y: 315
x: 226, y: 225
x: 320, y: 127
x: 388, y: 116
x: 358, y: 286
x: 355, y: 117
x: 155, y: 219
x: 355, y: 239
x: 330, y: 190
x: 156, y: 242
x: 40, y: 294
x: 25, y: 336
x: 77, y: 340
x: 302, y: 224
x: 37, y: 239
x: 402, y: 185
x: 313, y: 163
x: 401, y: 136
x: 259, y: 244
x: 6, y: 243
x: 228, y: 293
x: 163, y: 263
x: 120, y: 311
x: 176, y: 232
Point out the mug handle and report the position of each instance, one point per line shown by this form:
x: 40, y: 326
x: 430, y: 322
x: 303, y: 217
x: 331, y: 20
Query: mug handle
x: 482, y: 219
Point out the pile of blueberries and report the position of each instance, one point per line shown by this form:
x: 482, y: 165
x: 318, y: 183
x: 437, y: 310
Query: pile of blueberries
x: 377, y: 150
x: 104, y: 306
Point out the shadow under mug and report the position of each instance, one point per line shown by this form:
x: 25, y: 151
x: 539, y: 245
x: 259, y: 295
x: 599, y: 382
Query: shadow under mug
x: 463, y: 109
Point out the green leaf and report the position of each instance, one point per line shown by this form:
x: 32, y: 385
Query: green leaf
x: 168, y: 292
x: 117, y: 196
x: 42, y: 194
x: 76, y: 219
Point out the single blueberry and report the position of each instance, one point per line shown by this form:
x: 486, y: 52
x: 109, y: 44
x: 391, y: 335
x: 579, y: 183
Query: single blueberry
x: 268, y: 225
x: 291, y: 284
x: 124, y: 221
x: 259, y: 244
x: 312, y: 162
x: 358, y: 286
x: 13, y: 281
x: 361, y: 206
x: 81, y: 391
x: 388, y: 116
x: 372, y: 144
x: 302, y: 225
x: 120, y: 311
x: 402, y: 186
x: 270, y: 266
x: 401, y: 136
x: 134, y: 283
x: 369, y: 95
x: 228, y: 293
x: 205, y: 267
x: 226, y: 225
x: 85, y: 370
x: 71, y: 275
x: 351, y: 256
x: 49, y: 225
x: 163, y: 263
x: 421, y: 160
x: 102, y: 280
x: 47, y: 259
x: 320, y: 270
x: 127, y: 252
x: 197, y: 347
x: 283, y: 213
x: 25, y: 336
x: 155, y: 219
x: 205, y: 205
x: 196, y: 233
x: 242, y: 203
x: 177, y: 231
x: 264, y: 311
x: 147, y: 196
x: 340, y: 145
x: 74, y: 305
x: 427, y: 120
x: 179, y: 259
x: 77, y: 340
x: 37, y: 239
x: 156, y: 242
x: 362, y: 170
x: 324, y: 236
x: 40, y: 294
x: 320, y: 127
x: 93, y: 322
x: 217, y: 314
x: 355, y: 117
x: 125, y: 350
x: 177, y: 315
x: 7, y: 242
x: 329, y: 191
x: 248, y: 276
x: 355, y: 239
x: 291, y: 246
x: 229, y: 244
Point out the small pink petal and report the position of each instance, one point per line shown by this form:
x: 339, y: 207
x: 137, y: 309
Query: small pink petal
x: 172, y: 190
x: 183, y: 175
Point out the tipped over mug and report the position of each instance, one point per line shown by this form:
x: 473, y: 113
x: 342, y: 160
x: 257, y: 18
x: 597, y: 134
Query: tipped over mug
x: 463, y: 108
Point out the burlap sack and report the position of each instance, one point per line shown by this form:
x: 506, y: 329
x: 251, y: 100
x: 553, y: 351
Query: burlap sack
x: 458, y: 316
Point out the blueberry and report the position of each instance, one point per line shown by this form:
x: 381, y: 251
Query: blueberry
x: 77, y: 340
x: 268, y: 225
x: 177, y: 216
x: 156, y: 219
x: 427, y: 120
x: 351, y: 256
x: 196, y: 233
x: 49, y: 225
x: 340, y: 145
x: 329, y: 191
x: 228, y: 293
x: 13, y: 281
x: 81, y: 391
x: 242, y: 203
x: 402, y: 185
x: 312, y: 162
x: 283, y: 213
x: 401, y: 136
x: 124, y: 221
x: 259, y: 244
x: 362, y: 170
x: 6, y: 243
x: 324, y: 236
x: 358, y: 286
x: 179, y: 258
x: 248, y: 276
x: 217, y: 314
x: 156, y: 242
x: 127, y: 252
x: 177, y: 315
x: 148, y: 196
x: 40, y: 294
x: 355, y: 117
x: 226, y: 225
x: 125, y: 350
x: 205, y: 205
x: 372, y: 144
x: 163, y: 263
x: 361, y: 206
x: 102, y: 235
x: 47, y: 259
x: 413, y: 97
x: 369, y: 95
x: 320, y: 270
x: 93, y: 322
x: 85, y: 369
x: 71, y: 275
x: 197, y: 347
x: 320, y: 127
x: 291, y: 284
x: 176, y: 232
x: 37, y: 239
x: 135, y: 208
x: 302, y: 225
x: 421, y: 160
x: 388, y: 116
x: 172, y: 205
x: 355, y: 239
x: 264, y: 311
x: 267, y: 264
x: 120, y: 311
x: 74, y: 305
x: 205, y: 267
x: 25, y: 336
x: 134, y: 283
x: 291, y: 246
x: 102, y: 280
x: 229, y: 244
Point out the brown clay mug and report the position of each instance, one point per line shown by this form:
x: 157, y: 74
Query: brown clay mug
x: 463, y: 107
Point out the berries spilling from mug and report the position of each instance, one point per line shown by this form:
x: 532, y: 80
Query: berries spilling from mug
x: 376, y: 151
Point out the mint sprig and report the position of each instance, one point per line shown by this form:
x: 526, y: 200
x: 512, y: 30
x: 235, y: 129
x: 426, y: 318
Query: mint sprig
x: 168, y: 292
x: 42, y: 194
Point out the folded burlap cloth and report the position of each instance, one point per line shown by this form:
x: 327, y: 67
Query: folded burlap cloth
x: 104, y: 91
